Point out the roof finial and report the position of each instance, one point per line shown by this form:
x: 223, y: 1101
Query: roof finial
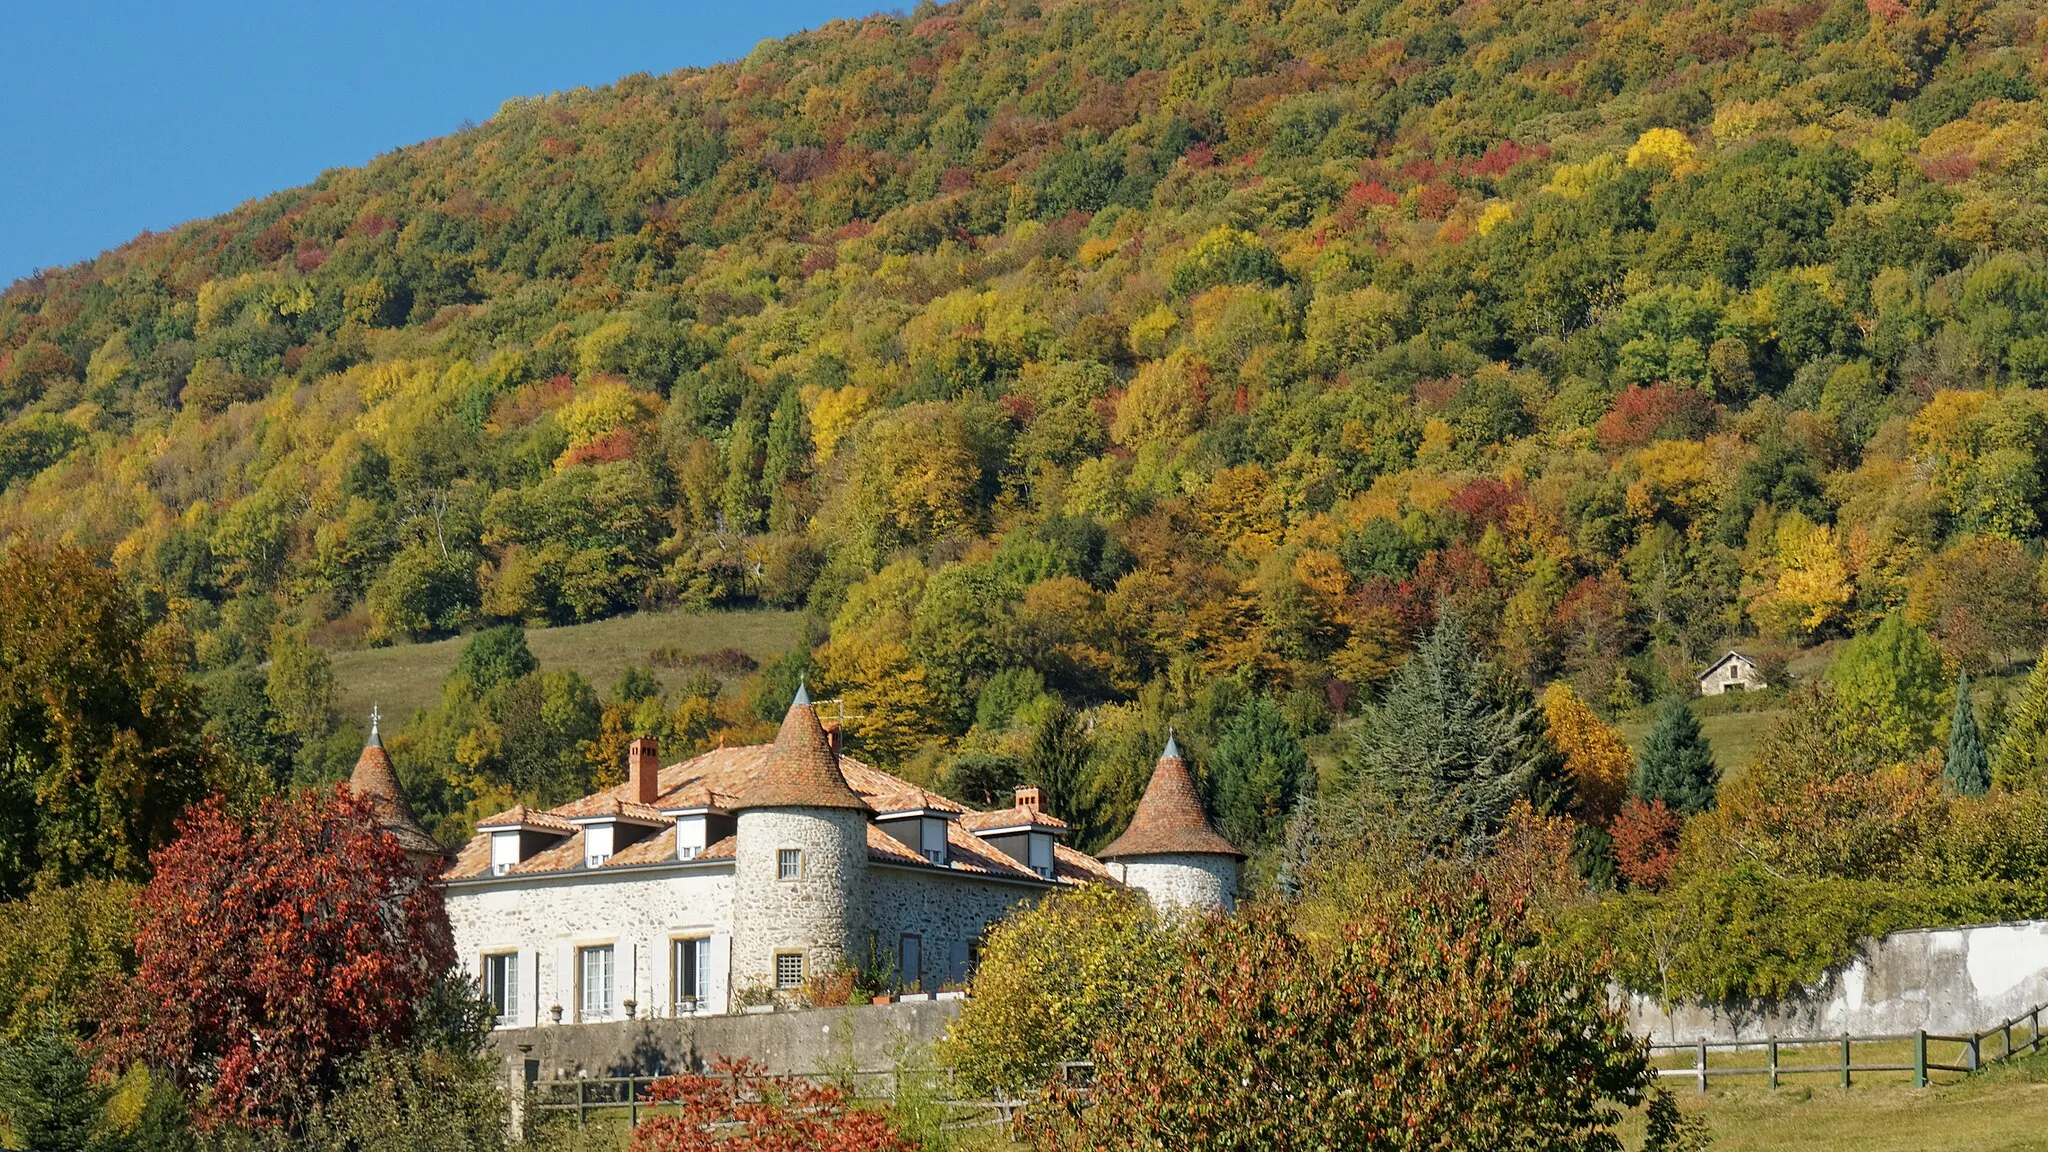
x: 375, y: 740
x: 803, y: 693
x: 1172, y: 746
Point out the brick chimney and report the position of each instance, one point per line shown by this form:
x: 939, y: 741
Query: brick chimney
x: 834, y: 739
x: 643, y: 769
x: 1029, y: 797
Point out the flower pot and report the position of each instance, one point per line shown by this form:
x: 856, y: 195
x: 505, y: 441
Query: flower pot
x: 883, y: 999
x: 758, y: 1009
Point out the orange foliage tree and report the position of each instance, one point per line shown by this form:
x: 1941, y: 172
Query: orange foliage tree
x: 738, y: 1107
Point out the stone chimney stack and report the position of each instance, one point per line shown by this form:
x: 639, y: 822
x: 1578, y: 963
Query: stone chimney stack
x: 643, y: 769
x: 1029, y: 797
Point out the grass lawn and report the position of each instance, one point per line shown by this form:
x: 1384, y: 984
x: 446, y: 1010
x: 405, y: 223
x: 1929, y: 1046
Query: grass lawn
x: 407, y: 677
x: 1734, y: 735
x: 2003, y: 1108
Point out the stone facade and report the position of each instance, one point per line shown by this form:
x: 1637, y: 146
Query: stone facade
x: 545, y: 920
x: 1182, y: 882
x: 816, y: 914
x: 947, y: 921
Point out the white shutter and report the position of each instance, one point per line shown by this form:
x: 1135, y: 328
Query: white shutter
x: 721, y: 973
x: 664, y: 1001
x: 529, y: 995
x: 565, y: 983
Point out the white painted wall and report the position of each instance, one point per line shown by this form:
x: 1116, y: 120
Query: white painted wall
x: 1942, y: 980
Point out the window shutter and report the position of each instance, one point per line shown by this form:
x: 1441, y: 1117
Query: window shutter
x: 565, y: 983
x: 719, y: 980
x: 661, y: 971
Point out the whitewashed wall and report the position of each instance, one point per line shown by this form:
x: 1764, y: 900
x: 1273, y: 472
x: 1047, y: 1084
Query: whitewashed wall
x: 1943, y: 980
x: 638, y: 911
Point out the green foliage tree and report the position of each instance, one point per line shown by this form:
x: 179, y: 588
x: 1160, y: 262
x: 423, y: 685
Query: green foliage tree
x: 495, y: 658
x: 1966, y: 768
x: 48, y: 1094
x: 2021, y: 757
x: 1889, y: 682
x: 1451, y: 747
x: 1677, y: 763
x: 1257, y: 772
x: 1057, y: 757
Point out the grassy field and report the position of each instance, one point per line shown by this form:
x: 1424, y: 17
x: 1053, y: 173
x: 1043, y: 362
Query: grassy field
x: 407, y: 677
x: 1734, y: 735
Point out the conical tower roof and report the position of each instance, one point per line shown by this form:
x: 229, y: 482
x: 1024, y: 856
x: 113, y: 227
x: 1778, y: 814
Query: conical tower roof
x: 1170, y: 820
x: 803, y: 770
x: 376, y: 781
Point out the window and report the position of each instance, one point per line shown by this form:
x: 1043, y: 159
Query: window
x: 501, y: 985
x: 934, y: 837
x: 789, y: 971
x: 1041, y: 854
x: 691, y: 974
x: 594, y: 972
x: 910, y: 961
x: 789, y: 863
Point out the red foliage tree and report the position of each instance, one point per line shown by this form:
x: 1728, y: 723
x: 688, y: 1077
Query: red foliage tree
x: 272, y: 945
x: 1646, y: 841
x: 739, y: 1108
x: 1640, y: 415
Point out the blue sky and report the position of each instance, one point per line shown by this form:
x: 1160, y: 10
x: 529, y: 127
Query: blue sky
x: 120, y: 117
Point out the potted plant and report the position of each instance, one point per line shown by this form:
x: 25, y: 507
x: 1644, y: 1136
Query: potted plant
x: 754, y: 999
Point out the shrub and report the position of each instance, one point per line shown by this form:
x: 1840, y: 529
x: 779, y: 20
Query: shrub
x: 1646, y: 842
x: 739, y: 1108
x: 1053, y: 979
x: 1423, y: 1021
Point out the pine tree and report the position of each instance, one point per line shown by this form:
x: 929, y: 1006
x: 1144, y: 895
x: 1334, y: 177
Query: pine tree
x: 2022, y: 752
x: 1677, y: 764
x: 1258, y: 769
x: 1057, y: 757
x: 1451, y: 746
x: 1968, y: 770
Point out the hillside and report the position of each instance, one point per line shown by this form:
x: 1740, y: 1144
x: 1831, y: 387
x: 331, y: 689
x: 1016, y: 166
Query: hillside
x: 1092, y: 346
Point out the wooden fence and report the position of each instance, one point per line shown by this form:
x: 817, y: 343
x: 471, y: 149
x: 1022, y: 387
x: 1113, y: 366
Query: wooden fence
x: 1970, y: 1051
x: 622, y: 1097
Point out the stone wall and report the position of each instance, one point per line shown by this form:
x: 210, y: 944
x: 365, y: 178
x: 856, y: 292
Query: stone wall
x: 638, y: 911
x: 1942, y: 980
x: 818, y: 1040
x: 948, y: 915
x: 1193, y: 881
x: 815, y: 913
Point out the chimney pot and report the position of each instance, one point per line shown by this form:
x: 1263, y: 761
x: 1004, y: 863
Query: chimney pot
x: 1029, y: 796
x: 643, y: 769
x: 833, y: 737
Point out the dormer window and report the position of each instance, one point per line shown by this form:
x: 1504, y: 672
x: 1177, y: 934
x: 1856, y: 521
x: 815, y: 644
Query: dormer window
x: 935, y: 839
x: 1041, y: 854
x: 504, y: 851
x: 597, y: 844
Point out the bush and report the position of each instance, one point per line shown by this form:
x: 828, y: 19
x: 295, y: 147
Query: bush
x: 1052, y: 980
x: 396, y: 1100
x: 1424, y: 1021
x: 759, y: 1113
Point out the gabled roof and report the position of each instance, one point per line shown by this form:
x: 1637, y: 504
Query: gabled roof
x: 1170, y: 820
x: 1019, y: 816
x: 377, y: 782
x: 1732, y: 655
x: 520, y: 816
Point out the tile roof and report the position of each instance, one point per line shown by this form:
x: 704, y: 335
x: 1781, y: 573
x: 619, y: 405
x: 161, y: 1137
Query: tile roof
x: 520, y: 816
x: 377, y: 782
x: 803, y: 770
x: 1016, y: 817
x: 1169, y: 820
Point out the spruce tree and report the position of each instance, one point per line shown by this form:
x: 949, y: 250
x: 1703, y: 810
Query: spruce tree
x: 1968, y: 769
x: 1677, y: 764
x: 1451, y: 746
x: 1258, y: 769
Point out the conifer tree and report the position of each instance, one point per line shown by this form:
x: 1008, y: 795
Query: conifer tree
x: 1452, y: 747
x: 1677, y: 764
x: 1968, y: 770
x: 1258, y: 768
x: 2023, y: 748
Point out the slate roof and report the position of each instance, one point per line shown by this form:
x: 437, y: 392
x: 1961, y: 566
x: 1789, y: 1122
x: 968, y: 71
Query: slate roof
x: 1170, y: 820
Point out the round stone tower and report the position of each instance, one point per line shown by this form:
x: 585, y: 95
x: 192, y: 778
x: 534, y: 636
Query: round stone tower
x: 800, y: 860
x: 375, y: 781
x: 1171, y: 852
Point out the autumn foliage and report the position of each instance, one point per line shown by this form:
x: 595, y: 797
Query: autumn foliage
x: 272, y: 946
x: 1646, y: 841
x: 738, y: 1107
x: 1418, y: 1023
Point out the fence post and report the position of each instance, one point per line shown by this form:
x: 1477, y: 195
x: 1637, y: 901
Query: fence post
x: 1976, y: 1059
x: 1702, y: 1065
x: 1845, y: 1060
x: 632, y: 1104
x: 1920, y: 1058
x: 581, y: 1096
x: 1774, y: 1061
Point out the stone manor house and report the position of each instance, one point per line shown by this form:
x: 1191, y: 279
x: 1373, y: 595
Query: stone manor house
x: 694, y: 888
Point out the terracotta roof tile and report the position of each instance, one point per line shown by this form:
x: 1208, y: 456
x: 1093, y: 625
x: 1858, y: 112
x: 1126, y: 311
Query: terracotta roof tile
x: 1169, y: 819
x: 376, y: 781
x: 1017, y: 817
x: 803, y: 770
x: 520, y: 816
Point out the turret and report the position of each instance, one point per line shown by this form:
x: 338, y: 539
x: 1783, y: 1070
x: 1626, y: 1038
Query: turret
x: 375, y: 780
x: 799, y: 861
x: 1170, y: 851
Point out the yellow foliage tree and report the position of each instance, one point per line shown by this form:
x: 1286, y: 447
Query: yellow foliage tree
x: 1164, y: 401
x: 891, y: 705
x: 1664, y: 147
x: 1595, y: 755
x: 1812, y: 585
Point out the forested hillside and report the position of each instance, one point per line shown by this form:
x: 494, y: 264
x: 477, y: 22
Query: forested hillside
x: 1138, y: 357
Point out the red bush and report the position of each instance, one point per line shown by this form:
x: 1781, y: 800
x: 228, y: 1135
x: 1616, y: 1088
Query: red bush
x: 1646, y: 842
x: 1640, y: 415
x: 740, y: 1108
